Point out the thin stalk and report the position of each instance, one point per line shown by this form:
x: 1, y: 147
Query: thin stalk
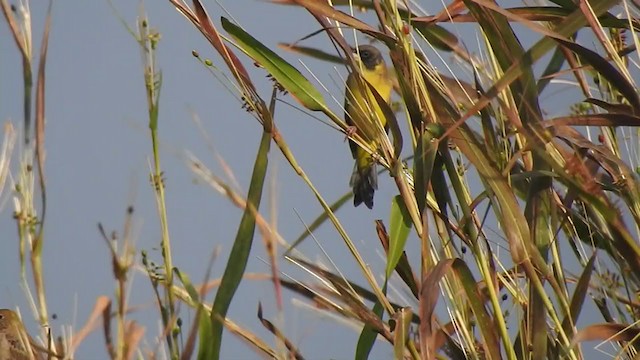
x: 153, y: 82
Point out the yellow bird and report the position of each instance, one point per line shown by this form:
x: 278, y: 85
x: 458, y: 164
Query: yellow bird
x: 362, y: 112
x: 15, y: 343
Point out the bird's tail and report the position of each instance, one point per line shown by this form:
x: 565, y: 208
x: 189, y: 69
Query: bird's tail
x: 364, y: 182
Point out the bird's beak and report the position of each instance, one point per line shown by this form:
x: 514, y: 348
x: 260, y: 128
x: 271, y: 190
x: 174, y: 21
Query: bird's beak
x: 354, y: 52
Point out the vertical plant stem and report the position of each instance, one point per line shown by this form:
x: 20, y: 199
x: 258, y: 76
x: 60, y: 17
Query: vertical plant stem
x: 153, y: 82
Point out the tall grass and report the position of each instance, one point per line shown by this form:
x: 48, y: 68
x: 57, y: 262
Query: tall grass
x: 523, y: 220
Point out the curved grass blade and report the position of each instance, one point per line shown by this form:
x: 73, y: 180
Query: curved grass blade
x: 508, y: 50
x: 554, y: 65
x: 293, y: 351
x: 203, y: 22
x: 429, y: 292
x: 607, y: 332
x: 425, y: 156
x: 23, y: 42
x: 579, y: 295
x: 485, y: 323
x: 399, y: 226
x: 535, y: 13
x: 202, y: 322
x: 350, y: 295
x: 401, y: 332
x: 436, y: 35
x: 594, y: 120
x: 323, y: 9
x: 188, y: 285
x: 403, y: 267
x: 287, y: 75
x: 567, y: 27
x: 440, y: 38
x: 205, y: 335
x: 368, y: 335
x: 608, y: 71
x: 312, y: 52
x: 241, y: 247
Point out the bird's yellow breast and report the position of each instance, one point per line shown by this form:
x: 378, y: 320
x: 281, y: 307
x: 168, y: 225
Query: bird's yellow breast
x: 363, y: 110
x: 379, y: 79
x: 361, y: 105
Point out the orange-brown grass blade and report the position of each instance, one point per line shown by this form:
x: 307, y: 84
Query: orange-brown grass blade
x: 429, y: 294
x: 349, y: 294
x: 202, y: 22
x: 106, y: 327
x: 102, y: 304
x: 312, y: 52
x: 401, y: 323
x: 325, y: 10
x: 608, y: 71
x: 133, y: 334
x: 608, y: 332
x: 293, y: 351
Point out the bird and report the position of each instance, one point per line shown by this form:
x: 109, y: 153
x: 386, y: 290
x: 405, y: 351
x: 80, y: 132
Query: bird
x: 361, y: 112
x: 15, y: 343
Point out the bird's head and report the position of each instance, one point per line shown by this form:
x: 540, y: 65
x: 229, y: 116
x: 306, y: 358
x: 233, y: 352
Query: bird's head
x: 369, y: 56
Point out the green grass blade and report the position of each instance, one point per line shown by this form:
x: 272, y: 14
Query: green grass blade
x: 399, y: 226
x: 287, y: 75
x: 554, y: 66
x: 485, y: 322
x: 368, y: 335
x: 579, y: 295
x: 439, y: 37
x: 188, y: 285
x: 425, y: 156
x: 205, y: 335
x: 241, y: 247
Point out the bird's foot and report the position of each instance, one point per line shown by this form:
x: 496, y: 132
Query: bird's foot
x: 350, y: 131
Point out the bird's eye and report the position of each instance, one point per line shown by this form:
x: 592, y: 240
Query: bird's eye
x: 365, y: 54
